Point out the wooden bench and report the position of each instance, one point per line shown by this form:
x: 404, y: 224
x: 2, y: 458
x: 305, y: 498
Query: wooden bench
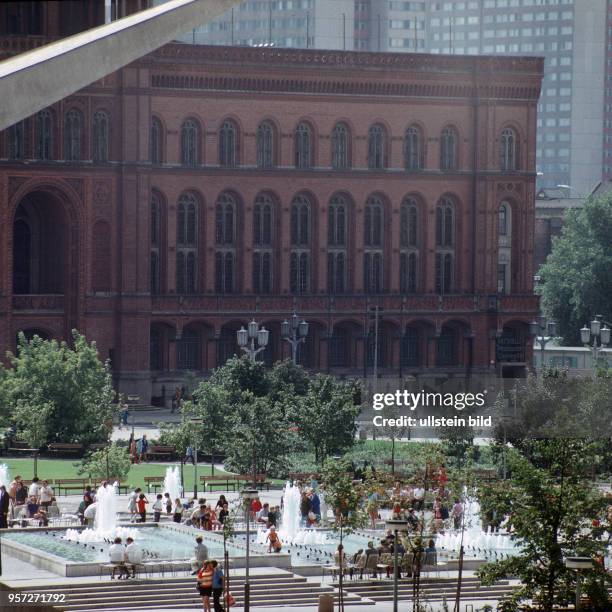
x: 20, y: 446
x: 261, y: 480
x: 60, y: 447
x: 153, y: 481
x: 223, y: 482
x: 161, y: 451
x: 71, y: 484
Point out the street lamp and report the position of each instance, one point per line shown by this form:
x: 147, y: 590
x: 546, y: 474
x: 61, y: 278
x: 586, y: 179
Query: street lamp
x: 248, y: 495
x: 246, y: 339
x: 195, y: 459
x: 578, y: 563
x: 396, y: 525
x: 294, y: 332
x: 594, y: 333
x: 537, y: 328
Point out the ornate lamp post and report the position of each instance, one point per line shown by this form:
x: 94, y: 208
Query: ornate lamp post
x: 246, y: 339
x: 593, y: 334
x: 578, y: 563
x: 396, y: 525
x: 248, y: 495
x: 294, y: 332
x: 538, y: 328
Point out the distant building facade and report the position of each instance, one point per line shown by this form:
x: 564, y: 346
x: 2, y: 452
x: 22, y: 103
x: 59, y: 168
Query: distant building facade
x: 165, y: 206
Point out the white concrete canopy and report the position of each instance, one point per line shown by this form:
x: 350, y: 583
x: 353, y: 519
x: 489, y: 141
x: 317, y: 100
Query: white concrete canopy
x: 33, y: 80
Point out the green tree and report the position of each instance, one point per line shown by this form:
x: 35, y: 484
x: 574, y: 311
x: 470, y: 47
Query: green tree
x: 326, y: 415
x: 554, y: 512
x: 58, y: 393
x: 577, y: 276
x: 110, y: 462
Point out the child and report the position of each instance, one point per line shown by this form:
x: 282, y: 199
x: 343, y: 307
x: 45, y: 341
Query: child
x: 132, y: 503
x: 178, y: 511
x: 168, y: 503
x: 275, y: 543
x: 157, y: 508
x: 141, y: 504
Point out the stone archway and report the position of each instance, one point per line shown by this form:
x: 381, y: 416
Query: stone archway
x: 41, y: 246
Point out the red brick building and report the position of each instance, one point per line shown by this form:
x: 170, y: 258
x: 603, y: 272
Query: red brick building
x: 162, y: 208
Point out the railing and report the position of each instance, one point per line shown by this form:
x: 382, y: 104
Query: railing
x: 358, y: 303
x: 48, y: 302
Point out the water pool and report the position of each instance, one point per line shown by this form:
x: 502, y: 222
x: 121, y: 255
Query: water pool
x: 157, y: 542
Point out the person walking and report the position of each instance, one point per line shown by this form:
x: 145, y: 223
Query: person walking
x: 217, y: 587
x: 200, y: 556
x: 205, y: 584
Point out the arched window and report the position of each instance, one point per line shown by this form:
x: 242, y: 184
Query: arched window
x: 448, y: 148
x: 190, y: 143
x: 509, y: 150
x: 155, y: 229
x: 16, y: 140
x: 262, y: 220
x: 300, y: 245
x: 44, y: 134
x: 409, y: 219
x: 225, y: 220
x: 228, y: 144
x: 377, y: 143
x: 340, y: 142
x: 100, y: 140
x: 225, y: 238
x: 446, y: 348
x: 409, y: 243
x: 262, y: 243
x: 337, y: 245
x: 303, y: 146
x: 336, y: 222
x: 156, y: 142
x: 409, y: 348
x: 445, y: 245
x: 413, y: 148
x: 504, y: 248
x: 445, y: 220
x: 373, y: 274
x: 300, y: 221
x: 187, y: 244
x: 265, y: 145
x: 73, y: 134
x: 373, y: 222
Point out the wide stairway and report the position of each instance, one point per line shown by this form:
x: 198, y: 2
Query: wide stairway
x: 432, y: 589
x: 268, y: 589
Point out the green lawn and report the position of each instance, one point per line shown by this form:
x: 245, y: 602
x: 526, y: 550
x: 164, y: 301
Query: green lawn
x: 66, y: 468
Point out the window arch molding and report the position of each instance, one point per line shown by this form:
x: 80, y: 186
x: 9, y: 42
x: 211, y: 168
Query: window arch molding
x: 414, y: 159
x: 46, y: 134
x: 305, y: 156
x: 510, y: 163
x: 267, y: 142
x: 379, y: 158
x: 229, y: 137
x: 158, y: 156
x: 341, y: 128
x: 74, y: 133
x: 450, y: 147
x: 101, y: 135
x: 190, y: 141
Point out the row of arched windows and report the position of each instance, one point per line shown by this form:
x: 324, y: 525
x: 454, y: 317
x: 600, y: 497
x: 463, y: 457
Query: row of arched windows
x: 374, y: 249
x: 45, y: 132
x: 341, y: 146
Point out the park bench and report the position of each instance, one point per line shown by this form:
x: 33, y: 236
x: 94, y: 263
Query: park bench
x: 20, y: 446
x: 71, y: 484
x: 222, y: 482
x: 60, y: 447
x: 153, y: 481
x: 166, y: 452
x: 261, y: 480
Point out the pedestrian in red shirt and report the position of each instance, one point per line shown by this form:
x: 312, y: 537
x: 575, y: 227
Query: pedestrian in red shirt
x: 141, y: 504
x: 256, y: 506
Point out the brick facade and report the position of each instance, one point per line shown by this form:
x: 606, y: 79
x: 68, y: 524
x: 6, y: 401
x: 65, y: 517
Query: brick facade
x: 453, y: 318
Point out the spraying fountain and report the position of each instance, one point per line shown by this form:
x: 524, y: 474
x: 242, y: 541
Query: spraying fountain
x: 172, y: 483
x: 105, y: 522
x: 4, y: 475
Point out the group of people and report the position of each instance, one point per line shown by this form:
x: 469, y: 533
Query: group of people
x: 265, y: 514
x: 209, y: 576
x: 138, y: 448
x: 124, y: 559
x: 19, y: 502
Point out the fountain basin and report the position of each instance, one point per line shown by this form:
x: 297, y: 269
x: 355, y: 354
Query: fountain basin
x: 43, y: 548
